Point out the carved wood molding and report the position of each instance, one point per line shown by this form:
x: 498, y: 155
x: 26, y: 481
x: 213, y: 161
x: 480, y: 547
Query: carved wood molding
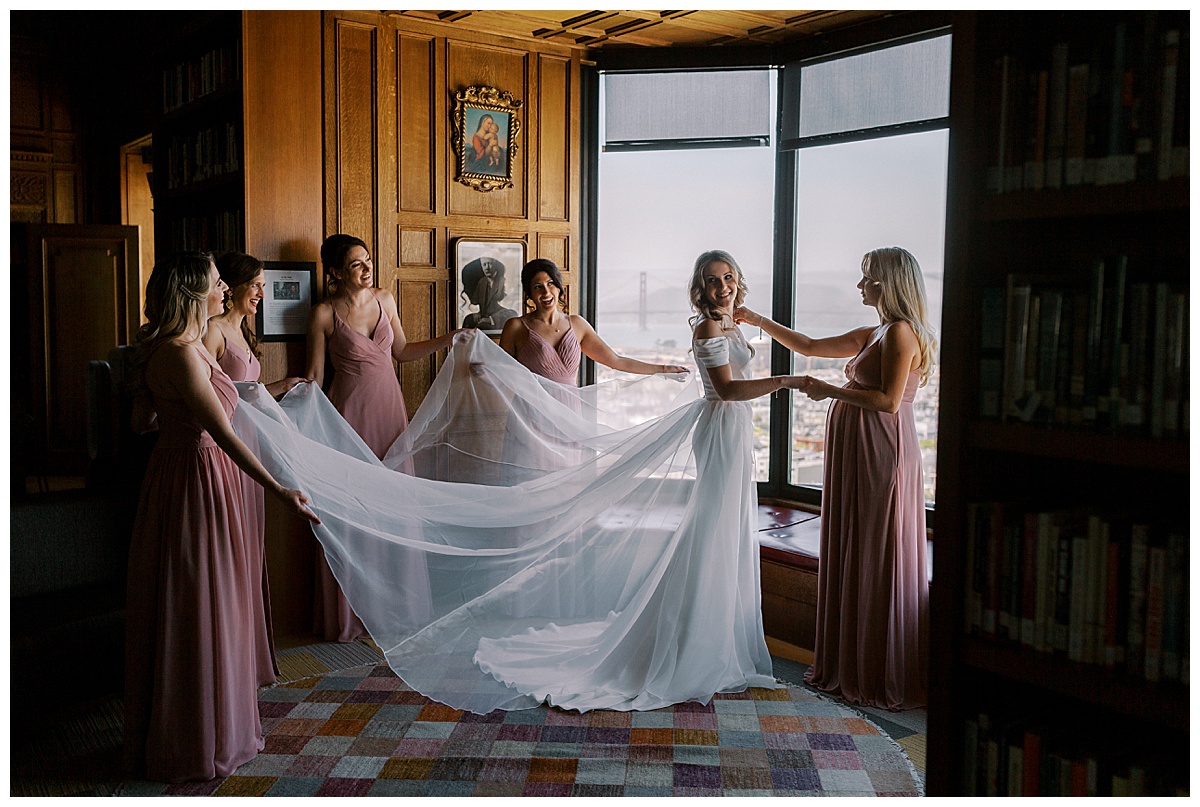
x: 31, y: 156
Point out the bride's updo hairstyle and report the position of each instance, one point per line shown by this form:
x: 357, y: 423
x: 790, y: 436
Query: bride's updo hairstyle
x: 699, y: 300
x: 543, y: 265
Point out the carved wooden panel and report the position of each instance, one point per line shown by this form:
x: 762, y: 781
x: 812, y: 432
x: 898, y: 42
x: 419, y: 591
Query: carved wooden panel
x: 554, y: 137
x: 417, y: 246
x: 83, y: 297
x: 468, y: 65
x: 418, y: 127
x: 555, y: 248
x: 354, y: 124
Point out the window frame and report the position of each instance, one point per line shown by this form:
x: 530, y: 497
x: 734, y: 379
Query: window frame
x: 787, y: 60
x: 787, y: 175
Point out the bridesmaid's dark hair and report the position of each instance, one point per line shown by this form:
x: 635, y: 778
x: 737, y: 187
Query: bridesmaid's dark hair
x: 543, y: 265
x: 238, y: 269
x: 333, y: 257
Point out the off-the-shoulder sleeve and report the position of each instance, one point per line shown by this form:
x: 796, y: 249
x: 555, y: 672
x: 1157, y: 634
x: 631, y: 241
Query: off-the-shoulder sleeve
x: 712, y: 352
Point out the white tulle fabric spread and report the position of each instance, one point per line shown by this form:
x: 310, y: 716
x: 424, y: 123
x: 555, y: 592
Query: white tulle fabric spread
x: 552, y: 545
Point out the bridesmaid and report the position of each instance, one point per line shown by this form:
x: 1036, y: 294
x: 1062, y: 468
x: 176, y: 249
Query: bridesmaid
x: 549, y: 341
x: 872, y: 588
x: 191, y: 710
x: 359, y: 326
x: 231, y: 339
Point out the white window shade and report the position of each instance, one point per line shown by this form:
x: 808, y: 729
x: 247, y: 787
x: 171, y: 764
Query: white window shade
x: 673, y: 110
x: 896, y: 85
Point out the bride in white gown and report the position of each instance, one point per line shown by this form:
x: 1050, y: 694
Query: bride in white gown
x: 570, y: 560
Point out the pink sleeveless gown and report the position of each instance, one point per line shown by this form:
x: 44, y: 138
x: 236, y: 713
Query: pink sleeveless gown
x: 242, y: 366
x: 367, y: 393
x: 872, y: 590
x: 559, y: 363
x: 192, y: 614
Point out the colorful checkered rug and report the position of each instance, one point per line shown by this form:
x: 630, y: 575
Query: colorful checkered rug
x: 362, y: 731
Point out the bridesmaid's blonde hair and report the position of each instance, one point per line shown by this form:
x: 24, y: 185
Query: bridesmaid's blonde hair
x: 176, y: 299
x: 902, y: 297
x: 700, y: 304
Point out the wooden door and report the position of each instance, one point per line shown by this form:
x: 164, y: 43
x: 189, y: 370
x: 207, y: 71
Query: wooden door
x: 84, y: 289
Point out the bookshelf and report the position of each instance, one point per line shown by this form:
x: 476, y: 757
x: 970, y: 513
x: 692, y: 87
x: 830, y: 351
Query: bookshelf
x: 198, y: 180
x: 1059, y: 617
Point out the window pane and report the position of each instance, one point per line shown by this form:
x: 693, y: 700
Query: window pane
x: 658, y: 210
x: 695, y: 105
x: 900, y: 84
x: 852, y: 198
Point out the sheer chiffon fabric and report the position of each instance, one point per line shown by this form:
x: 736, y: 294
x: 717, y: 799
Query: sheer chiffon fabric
x: 872, y: 591
x: 578, y: 553
x: 240, y: 365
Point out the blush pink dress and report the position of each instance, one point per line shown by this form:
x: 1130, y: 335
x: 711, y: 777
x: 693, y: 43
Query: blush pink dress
x: 367, y: 393
x: 240, y: 365
x: 559, y: 363
x: 194, y: 606
x: 872, y: 590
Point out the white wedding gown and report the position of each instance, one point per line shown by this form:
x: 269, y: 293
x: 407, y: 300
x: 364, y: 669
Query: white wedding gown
x: 545, y: 551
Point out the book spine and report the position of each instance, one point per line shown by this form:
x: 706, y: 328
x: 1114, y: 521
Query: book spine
x: 1028, y: 576
x: 1158, y: 367
x: 1015, y: 346
x: 1079, y: 593
x: 1035, y: 158
x: 1139, y: 557
x: 1031, y: 755
x: 1046, y: 575
x: 1166, y: 120
x: 1156, y: 581
x: 1056, y: 120
x: 1114, y: 648
x: 1095, y: 334
x: 1077, y: 103
x: 1048, y: 349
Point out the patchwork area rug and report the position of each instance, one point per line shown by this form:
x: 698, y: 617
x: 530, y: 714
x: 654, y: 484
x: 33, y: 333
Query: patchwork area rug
x: 362, y: 731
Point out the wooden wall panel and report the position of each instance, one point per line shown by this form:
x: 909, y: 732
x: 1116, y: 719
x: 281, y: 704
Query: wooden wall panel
x: 417, y: 247
x: 416, y: 119
x: 468, y: 65
x: 553, y: 140
x: 555, y: 248
x: 352, y: 152
x: 421, y: 65
x: 420, y: 301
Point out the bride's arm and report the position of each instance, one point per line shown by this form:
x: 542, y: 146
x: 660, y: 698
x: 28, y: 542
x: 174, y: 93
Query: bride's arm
x: 742, y: 389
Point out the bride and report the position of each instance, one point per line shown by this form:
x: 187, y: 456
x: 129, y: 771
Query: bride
x: 649, y: 528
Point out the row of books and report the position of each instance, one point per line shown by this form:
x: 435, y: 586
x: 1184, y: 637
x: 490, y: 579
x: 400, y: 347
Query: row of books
x: 195, y: 78
x: 1110, y: 356
x: 1012, y: 749
x: 1103, y: 589
x: 1106, y: 111
x: 213, y: 232
x: 201, y: 155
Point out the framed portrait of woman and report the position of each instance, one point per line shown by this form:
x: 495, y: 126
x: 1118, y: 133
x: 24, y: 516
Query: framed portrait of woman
x: 487, y: 277
x: 485, y: 137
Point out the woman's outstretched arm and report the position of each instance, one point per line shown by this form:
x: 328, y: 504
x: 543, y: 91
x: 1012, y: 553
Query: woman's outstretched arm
x: 842, y: 346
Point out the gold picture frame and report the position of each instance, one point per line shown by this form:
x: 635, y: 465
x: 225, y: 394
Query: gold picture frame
x: 485, y: 137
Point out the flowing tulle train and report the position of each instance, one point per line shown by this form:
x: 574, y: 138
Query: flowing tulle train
x: 547, y: 550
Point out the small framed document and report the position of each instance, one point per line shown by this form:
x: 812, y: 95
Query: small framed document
x: 288, y: 288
